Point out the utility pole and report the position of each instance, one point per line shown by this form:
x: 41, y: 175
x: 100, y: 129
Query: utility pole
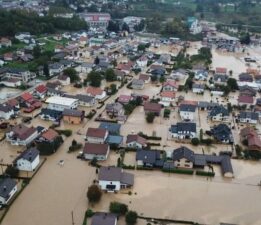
x: 72, y: 219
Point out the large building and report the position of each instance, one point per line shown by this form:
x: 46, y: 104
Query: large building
x: 60, y: 103
x: 96, y: 20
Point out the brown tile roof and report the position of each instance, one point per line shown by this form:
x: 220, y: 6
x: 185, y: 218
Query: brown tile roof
x: 12, y: 102
x: 152, y: 107
x: 171, y: 83
x: 96, y: 132
x: 136, y: 138
x: 144, y: 77
x: 94, y: 90
x: 22, y: 132
x: 98, y: 149
x: 50, y: 134
x: 245, y: 99
x: 221, y: 70
x: 168, y: 94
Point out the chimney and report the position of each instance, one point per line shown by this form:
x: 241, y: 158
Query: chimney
x: 4, y: 188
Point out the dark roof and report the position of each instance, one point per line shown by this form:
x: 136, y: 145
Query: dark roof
x: 5, y: 108
x: 113, y: 128
x: 208, y: 105
x: 248, y: 115
x: 112, y: 173
x: 200, y: 160
x: 84, y: 98
x: 219, y: 110
x: 183, y: 152
x: 52, y: 113
x: 245, y: 77
x: 148, y: 156
x: 114, y: 139
x: 29, y: 154
x: 226, y: 165
x: 187, y: 107
x: 101, y: 218
x: 221, y: 77
x: 22, y: 132
x: 136, y: 138
x: 73, y: 112
x: 97, y: 149
x: 183, y: 127
x: 6, y: 186
x: 222, y: 132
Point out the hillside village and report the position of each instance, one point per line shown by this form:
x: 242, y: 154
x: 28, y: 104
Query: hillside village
x: 140, y: 119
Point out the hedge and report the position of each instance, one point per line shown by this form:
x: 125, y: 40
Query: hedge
x: 205, y: 173
x: 180, y: 171
x: 67, y: 133
x: 128, y: 167
x: 150, y: 137
x: 144, y: 168
x: 153, y: 144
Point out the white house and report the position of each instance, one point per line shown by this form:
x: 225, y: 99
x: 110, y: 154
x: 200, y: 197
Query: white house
x: 114, y: 179
x: 187, y: 112
x: 6, y: 111
x: 183, y: 130
x: 64, y: 80
x: 198, y: 88
x: 142, y: 61
x: 21, y: 135
x: 136, y: 141
x: 183, y: 157
x: 55, y: 68
x: 28, y: 160
x: 248, y: 117
x: 8, y: 188
x: 167, y: 97
x: 98, y: 151
x: 11, y: 82
x: 96, y: 135
x: 60, y: 103
x: 96, y: 92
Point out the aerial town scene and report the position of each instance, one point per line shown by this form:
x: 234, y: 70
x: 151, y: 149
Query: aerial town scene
x: 130, y: 112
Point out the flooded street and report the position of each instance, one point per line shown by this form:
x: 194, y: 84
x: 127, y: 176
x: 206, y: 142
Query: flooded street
x: 6, y: 92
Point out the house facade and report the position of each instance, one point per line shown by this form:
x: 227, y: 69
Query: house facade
x: 28, y: 160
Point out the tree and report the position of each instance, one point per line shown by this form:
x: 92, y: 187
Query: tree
x: 232, y: 84
x: 36, y: 51
x: 118, y: 208
x: 113, y: 26
x: 113, y: 88
x: 94, y: 78
x: 150, y: 117
x: 131, y: 217
x: 46, y: 70
x: 94, y: 193
x: 96, y: 60
x: 195, y: 141
x: 162, y: 79
x: 125, y: 27
x: 245, y: 39
x: 110, y: 75
x: 154, y: 78
x: 72, y: 73
x: 12, y: 171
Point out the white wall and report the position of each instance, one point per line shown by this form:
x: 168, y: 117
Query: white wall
x: 25, y: 165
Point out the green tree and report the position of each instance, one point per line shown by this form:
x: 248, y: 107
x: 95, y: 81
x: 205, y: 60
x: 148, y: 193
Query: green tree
x: 113, y: 88
x: 150, y: 117
x: 72, y: 73
x: 232, y: 84
x: 195, y: 141
x: 131, y: 217
x: 94, y: 78
x: 94, y: 193
x: 118, y: 208
x: 46, y: 70
x: 110, y: 75
x: 36, y: 51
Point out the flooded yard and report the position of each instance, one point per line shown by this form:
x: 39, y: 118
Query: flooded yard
x: 6, y: 92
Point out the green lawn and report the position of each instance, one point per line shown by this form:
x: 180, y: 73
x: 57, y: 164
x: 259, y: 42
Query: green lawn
x: 14, y: 47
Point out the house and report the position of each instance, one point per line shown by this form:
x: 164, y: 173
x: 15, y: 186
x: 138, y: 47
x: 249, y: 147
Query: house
x: 245, y: 100
x: 216, y: 91
x: 246, y: 90
x: 56, y: 85
x: 84, y: 68
x: 60, y: 103
x: 96, y: 92
x: 73, y: 116
x: 8, y: 188
x: 253, y: 139
x: 9, y: 56
x: 85, y: 100
x: 114, y: 179
x: 194, y: 25
x: 104, y: 218
x: 198, y: 88
x: 112, y: 128
x: 137, y: 84
x: 114, y: 140
x: 119, y: 74
x: 125, y: 99
x: 55, y: 68
x: 21, y: 135
x: 50, y: 114
x: 125, y: 67
x: 94, y: 150
x: 157, y: 70
x: 220, y: 79
x: 83, y: 41
x: 22, y: 74
x: 151, y: 107
x: 142, y: 61
x: 5, y: 42
x: 170, y: 85
x: 248, y: 117
x: 201, y: 75
x: 167, y: 97
x: 219, y: 113
x: 221, y: 70
x: 187, y: 111
x: 48, y: 136
x: 96, y: 135
x: 145, y: 78
x: 64, y: 80
x: 222, y: 133
x: 28, y: 160
x: 136, y: 141
x: 149, y: 158
x: 41, y: 91
x: 183, y: 157
x: 178, y: 74
x: 245, y: 77
x: 114, y: 109
x: 183, y: 130
x: 11, y: 82
x: 6, y: 111
x: 165, y: 58
x: 14, y: 104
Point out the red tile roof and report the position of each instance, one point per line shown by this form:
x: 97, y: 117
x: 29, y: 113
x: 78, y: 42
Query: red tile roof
x: 41, y: 89
x: 124, y: 98
x: 50, y: 134
x: 26, y: 96
x: 97, y: 149
x: 93, y: 91
x: 221, y: 70
x: 245, y: 99
x: 152, y: 107
x: 171, y: 83
x: 168, y: 94
x: 96, y: 132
